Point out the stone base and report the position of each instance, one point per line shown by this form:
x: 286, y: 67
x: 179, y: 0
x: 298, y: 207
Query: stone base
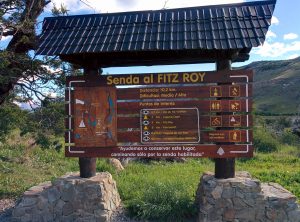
x: 244, y: 199
x: 69, y: 198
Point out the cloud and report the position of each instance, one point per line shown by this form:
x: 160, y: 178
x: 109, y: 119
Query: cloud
x: 26, y: 105
x: 290, y: 36
x: 270, y: 35
x: 132, y: 5
x: 277, y: 49
x: 275, y: 20
x: 52, y: 95
x: 293, y: 56
x: 127, y: 3
x: 6, y: 38
x: 52, y: 70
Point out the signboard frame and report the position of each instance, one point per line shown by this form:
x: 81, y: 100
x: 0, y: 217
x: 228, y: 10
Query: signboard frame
x: 242, y: 146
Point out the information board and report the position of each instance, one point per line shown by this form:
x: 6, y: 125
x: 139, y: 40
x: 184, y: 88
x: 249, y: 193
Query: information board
x: 95, y: 119
x: 166, y: 126
x: 160, y: 115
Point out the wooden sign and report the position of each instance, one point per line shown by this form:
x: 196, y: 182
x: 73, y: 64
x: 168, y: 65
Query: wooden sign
x: 215, y: 136
x: 228, y: 121
x: 165, y: 151
x: 184, y: 92
x: 160, y: 115
x: 95, y: 117
x: 186, y: 78
x: 202, y: 105
x: 165, y: 126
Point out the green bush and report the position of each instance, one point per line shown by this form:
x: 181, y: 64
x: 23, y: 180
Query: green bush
x: 289, y: 138
x: 50, y: 117
x: 264, y: 141
x: 283, y: 122
x: 12, y: 117
x: 43, y: 140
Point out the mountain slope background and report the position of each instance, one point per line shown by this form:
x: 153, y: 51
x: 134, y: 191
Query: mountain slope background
x: 276, y: 86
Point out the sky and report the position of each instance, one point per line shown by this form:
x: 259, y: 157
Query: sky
x: 282, y: 42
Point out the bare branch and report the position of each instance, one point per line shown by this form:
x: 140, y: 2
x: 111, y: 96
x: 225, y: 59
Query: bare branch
x: 87, y: 4
x: 8, y: 33
x: 165, y: 4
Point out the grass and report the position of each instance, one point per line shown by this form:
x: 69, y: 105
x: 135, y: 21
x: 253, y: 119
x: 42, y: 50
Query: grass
x: 281, y: 167
x: 161, y: 190
x: 21, y: 168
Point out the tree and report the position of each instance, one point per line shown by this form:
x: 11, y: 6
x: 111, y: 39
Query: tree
x: 12, y: 117
x: 21, y: 72
x: 50, y: 116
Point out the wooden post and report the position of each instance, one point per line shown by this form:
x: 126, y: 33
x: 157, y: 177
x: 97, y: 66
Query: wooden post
x: 224, y: 167
x: 87, y: 165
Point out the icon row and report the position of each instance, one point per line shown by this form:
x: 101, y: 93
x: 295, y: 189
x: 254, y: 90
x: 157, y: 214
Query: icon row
x: 216, y: 91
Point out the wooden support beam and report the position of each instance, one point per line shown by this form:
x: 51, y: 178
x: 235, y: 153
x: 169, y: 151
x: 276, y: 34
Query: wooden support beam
x: 87, y: 165
x: 224, y: 167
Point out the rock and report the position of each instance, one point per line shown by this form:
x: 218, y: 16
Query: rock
x: 244, y: 199
x: 245, y: 214
x: 229, y: 215
x: 228, y: 193
x: 29, y: 201
x: 53, y: 195
x: 243, y: 174
x: 116, y: 164
x: 274, y: 191
x: 217, y: 192
x: 67, y: 209
x: 69, y: 194
x: 41, y: 202
x: 212, y: 183
x: 18, y: 212
x: 70, y: 198
x: 294, y: 215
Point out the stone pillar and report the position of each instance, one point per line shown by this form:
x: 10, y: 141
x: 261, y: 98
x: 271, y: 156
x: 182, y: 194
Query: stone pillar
x: 69, y: 198
x: 244, y: 199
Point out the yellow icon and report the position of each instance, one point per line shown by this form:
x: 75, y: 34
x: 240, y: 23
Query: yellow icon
x: 215, y: 91
x: 234, y: 91
x: 235, y: 105
x: 145, y: 128
x: 215, y: 105
x: 145, y: 117
x: 235, y: 136
x: 216, y: 121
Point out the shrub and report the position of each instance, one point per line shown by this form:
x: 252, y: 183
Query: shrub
x: 43, y: 140
x: 289, y: 138
x: 264, y: 141
x: 12, y: 117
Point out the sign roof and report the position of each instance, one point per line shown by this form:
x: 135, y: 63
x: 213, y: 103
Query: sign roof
x: 218, y: 27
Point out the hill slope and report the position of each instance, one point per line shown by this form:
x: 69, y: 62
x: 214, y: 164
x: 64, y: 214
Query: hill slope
x: 276, y: 86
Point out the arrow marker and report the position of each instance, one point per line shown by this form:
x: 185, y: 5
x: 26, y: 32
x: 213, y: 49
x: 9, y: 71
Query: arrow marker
x: 220, y: 151
x: 78, y: 101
